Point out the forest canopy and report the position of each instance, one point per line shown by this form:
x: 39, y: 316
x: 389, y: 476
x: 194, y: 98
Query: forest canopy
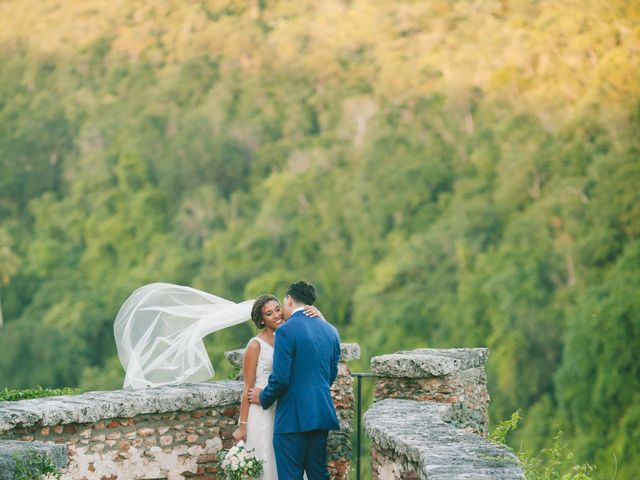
x: 447, y: 173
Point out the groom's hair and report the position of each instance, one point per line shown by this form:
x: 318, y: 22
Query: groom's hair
x: 302, y: 292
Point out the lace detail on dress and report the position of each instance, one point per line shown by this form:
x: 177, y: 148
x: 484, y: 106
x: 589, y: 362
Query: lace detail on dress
x: 260, y: 422
x: 265, y: 363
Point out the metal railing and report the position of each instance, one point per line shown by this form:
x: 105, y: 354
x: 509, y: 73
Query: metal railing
x: 359, y: 377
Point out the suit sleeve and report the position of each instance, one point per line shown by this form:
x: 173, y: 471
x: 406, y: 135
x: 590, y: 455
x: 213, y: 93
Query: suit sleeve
x: 283, y: 351
x: 335, y: 359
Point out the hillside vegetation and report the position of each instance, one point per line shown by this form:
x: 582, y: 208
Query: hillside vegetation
x: 448, y: 173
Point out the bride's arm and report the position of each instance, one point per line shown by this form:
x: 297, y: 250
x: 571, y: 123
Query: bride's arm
x: 249, y: 365
x: 313, y: 311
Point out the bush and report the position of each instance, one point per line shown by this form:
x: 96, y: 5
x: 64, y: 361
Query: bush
x: 555, y: 462
x: 35, y: 465
x: 38, y: 392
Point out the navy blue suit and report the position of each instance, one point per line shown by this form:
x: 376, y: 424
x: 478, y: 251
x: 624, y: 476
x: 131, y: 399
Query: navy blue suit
x: 305, y: 364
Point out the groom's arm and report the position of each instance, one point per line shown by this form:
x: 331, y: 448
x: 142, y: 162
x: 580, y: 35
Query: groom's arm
x: 283, y: 351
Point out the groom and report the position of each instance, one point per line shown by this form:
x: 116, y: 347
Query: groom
x: 305, y: 364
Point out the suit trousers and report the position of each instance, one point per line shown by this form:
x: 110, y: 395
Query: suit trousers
x: 297, y: 453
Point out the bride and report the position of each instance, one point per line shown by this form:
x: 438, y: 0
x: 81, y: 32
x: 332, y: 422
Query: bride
x: 256, y: 424
x: 159, y: 332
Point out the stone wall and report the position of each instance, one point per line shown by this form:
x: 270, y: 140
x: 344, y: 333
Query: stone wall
x: 417, y: 440
x: 430, y: 416
x: 159, y: 433
x: 455, y: 376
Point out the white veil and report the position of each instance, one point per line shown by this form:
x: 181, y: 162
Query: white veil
x: 159, y: 331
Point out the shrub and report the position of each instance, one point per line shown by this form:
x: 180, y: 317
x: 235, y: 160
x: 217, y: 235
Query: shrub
x: 38, y: 392
x: 555, y: 462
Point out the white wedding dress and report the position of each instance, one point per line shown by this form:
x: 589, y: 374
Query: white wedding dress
x: 259, y: 421
x: 159, y: 333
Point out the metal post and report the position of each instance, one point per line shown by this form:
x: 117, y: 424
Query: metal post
x: 359, y: 419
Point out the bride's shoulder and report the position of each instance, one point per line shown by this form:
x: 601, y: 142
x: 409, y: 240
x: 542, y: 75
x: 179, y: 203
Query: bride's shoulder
x: 253, y: 347
x: 252, y: 352
x: 254, y: 343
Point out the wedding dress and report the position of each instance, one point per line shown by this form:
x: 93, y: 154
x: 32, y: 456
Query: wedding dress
x: 259, y: 421
x: 159, y: 333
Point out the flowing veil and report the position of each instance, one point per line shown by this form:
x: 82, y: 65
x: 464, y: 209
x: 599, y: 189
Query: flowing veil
x: 159, y: 331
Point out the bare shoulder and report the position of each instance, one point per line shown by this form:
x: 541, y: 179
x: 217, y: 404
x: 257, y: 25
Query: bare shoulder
x: 253, y: 348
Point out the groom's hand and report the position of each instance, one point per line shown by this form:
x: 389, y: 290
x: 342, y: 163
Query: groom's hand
x: 254, y: 395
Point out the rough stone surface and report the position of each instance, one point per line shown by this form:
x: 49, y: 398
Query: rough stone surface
x: 148, y: 438
x: 348, y: 352
x: 428, y: 362
x: 466, y: 388
x: 414, y: 440
x: 235, y: 357
x: 339, y: 441
x: 94, y: 406
x: 10, y: 450
x: 455, y: 376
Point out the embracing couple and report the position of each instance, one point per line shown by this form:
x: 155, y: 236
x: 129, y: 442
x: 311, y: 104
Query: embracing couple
x: 286, y: 409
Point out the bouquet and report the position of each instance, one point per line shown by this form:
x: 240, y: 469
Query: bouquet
x: 239, y: 462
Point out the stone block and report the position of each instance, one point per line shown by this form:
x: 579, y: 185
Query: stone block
x: 348, y: 352
x: 415, y: 439
x: 427, y: 362
x: 452, y: 376
x: 11, y: 449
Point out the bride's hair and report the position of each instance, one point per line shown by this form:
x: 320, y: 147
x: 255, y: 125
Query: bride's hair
x: 256, y: 310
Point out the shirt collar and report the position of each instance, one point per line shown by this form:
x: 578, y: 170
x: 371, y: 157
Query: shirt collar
x: 299, y: 309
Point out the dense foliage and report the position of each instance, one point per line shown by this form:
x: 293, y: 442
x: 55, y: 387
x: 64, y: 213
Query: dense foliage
x: 447, y: 173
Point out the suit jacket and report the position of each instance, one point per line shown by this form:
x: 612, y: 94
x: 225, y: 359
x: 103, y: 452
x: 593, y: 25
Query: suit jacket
x: 305, y: 364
